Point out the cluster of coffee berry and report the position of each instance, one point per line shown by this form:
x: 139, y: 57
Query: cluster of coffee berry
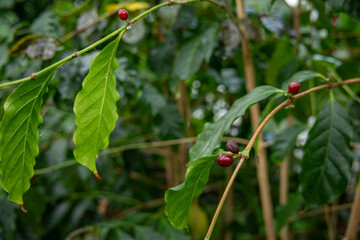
x: 226, y: 159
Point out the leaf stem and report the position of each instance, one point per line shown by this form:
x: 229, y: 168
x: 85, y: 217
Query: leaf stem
x: 256, y: 134
x: 223, y: 198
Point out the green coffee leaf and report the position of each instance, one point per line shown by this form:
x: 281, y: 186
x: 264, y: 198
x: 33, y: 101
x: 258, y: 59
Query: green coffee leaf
x: 327, y: 160
x: 210, y: 137
x: 19, y: 136
x: 285, y: 142
x: 95, y: 107
x: 302, y: 76
x: 193, y: 54
x: 179, y: 198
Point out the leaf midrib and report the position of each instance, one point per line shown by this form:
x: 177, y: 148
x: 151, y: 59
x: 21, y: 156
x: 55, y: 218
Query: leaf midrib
x: 327, y: 146
x: 106, y: 84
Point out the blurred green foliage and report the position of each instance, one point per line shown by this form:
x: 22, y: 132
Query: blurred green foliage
x: 192, y: 45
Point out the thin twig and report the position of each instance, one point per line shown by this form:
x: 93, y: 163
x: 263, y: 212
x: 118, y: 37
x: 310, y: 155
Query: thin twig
x: 319, y: 212
x: 222, y: 200
x: 145, y: 205
x: 79, y: 30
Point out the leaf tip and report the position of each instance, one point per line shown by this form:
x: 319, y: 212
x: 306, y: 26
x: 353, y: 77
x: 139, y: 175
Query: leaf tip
x: 97, y: 175
x: 22, y: 208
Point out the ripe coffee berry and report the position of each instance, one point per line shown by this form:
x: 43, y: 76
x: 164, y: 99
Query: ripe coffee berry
x: 294, y: 87
x: 123, y: 14
x: 225, y: 159
x: 232, y: 147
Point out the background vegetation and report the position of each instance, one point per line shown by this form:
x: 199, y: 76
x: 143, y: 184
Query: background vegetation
x: 179, y: 67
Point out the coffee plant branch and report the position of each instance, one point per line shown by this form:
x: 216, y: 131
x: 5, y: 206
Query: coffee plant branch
x: 106, y: 38
x: 256, y: 134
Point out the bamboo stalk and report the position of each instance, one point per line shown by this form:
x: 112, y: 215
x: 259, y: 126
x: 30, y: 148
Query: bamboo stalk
x: 352, y: 227
x: 262, y: 175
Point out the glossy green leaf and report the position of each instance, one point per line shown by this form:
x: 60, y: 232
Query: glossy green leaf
x: 302, y: 76
x: 19, y: 136
x: 285, y: 142
x: 210, y: 137
x: 327, y: 160
x: 179, y: 198
x: 95, y: 107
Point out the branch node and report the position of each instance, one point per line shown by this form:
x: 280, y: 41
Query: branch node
x: 32, y: 76
x: 170, y: 2
x: 75, y: 55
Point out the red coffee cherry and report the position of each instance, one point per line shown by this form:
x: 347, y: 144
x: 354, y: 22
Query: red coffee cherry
x: 294, y: 87
x: 232, y: 147
x: 225, y: 159
x: 123, y: 14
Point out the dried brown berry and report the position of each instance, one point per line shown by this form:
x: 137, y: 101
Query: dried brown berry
x: 232, y: 147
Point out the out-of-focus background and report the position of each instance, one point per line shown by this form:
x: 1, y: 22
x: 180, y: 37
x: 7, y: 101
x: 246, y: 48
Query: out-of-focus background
x: 179, y: 67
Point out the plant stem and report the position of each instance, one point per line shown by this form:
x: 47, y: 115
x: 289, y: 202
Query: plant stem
x: 65, y: 60
x: 56, y: 167
x: 257, y: 132
x: 264, y: 122
x: 222, y: 200
x: 319, y: 211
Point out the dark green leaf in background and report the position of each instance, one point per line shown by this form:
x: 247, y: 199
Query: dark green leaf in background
x: 285, y: 142
x: 161, y: 59
x: 147, y: 233
x: 19, y: 136
x: 154, y: 99
x: 7, y: 218
x: 192, y: 54
x: 171, y: 122
x: 283, y: 212
x: 325, y: 168
x: 95, y: 107
x: 47, y: 25
x: 284, y: 53
x: 210, y: 137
